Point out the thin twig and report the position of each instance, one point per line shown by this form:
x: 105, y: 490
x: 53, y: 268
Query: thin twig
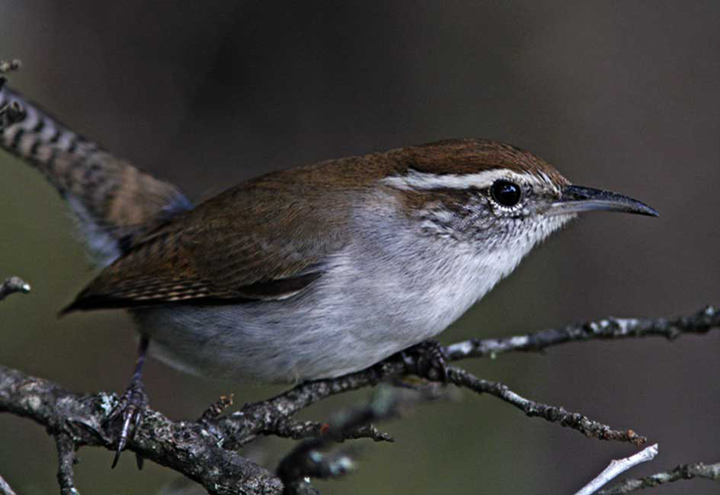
x: 66, y: 460
x: 307, y: 459
x: 5, y: 488
x: 684, y: 472
x: 701, y: 322
x: 554, y: 414
x: 257, y: 418
x: 299, y: 430
x: 13, y: 285
x: 262, y: 417
x: 617, y: 467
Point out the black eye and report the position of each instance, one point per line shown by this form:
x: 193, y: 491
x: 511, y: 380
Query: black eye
x: 505, y: 193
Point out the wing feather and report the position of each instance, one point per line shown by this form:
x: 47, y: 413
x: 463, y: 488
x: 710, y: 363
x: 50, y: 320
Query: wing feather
x: 262, y: 245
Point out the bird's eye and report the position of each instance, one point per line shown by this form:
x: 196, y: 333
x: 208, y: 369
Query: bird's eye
x: 505, y: 193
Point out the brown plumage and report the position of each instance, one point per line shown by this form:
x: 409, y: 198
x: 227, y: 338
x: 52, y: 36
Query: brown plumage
x: 466, y: 156
x: 254, y: 242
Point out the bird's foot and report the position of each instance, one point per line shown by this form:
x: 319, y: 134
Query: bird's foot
x: 129, y: 412
x: 426, y: 360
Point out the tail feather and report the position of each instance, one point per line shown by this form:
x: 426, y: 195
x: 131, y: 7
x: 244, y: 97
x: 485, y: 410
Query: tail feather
x: 36, y: 128
x: 111, y: 200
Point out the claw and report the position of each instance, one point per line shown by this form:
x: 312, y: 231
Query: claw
x: 130, y: 410
x: 131, y: 406
x: 426, y: 359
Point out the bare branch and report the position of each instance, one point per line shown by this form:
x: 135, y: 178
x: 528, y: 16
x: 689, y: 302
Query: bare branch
x: 66, y: 460
x: 684, y: 472
x: 299, y: 430
x: 5, y: 488
x: 554, y: 414
x: 185, y: 447
x: 256, y: 418
x: 13, y: 285
x: 269, y: 417
x: 204, y: 450
x: 307, y: 459
x: 702, y: 322
x: 617, y: 467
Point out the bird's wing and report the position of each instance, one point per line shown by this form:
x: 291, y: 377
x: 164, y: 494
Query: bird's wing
x: 253, y: 242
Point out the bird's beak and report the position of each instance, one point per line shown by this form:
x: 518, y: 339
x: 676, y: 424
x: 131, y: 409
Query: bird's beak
x: 576, y: 199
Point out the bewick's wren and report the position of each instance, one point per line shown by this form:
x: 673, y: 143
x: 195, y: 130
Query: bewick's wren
x: 311, y: 272
x: 326, y: 269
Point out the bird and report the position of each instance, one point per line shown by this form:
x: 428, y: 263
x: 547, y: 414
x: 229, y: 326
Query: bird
x: 312, y: 272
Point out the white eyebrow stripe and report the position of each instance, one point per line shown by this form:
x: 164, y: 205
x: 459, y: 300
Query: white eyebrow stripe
x: 547, y: 179
x: 421, y: 180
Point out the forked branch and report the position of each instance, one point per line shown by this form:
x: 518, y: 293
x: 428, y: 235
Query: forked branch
x: 204, y: 450
x: 685, y: 472
x: 610, y: 328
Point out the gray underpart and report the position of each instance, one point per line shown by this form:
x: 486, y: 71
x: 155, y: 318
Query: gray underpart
x: 393, y: 286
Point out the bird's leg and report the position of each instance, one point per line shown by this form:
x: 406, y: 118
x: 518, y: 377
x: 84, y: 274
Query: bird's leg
x: 132, y: 404
x: 427, y: 360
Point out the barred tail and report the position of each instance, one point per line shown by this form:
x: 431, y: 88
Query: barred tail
x: 28, y: 129
x: 112, y: 200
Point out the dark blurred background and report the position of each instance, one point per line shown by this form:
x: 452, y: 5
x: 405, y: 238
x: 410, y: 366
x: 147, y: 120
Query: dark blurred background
x: 618, y: 95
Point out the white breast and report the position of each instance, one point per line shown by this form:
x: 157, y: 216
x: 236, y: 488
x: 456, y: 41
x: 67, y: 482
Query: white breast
x: 392, y: 287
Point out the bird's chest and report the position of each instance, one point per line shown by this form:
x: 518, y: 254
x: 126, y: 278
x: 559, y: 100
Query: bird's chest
x: 415, y: 285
